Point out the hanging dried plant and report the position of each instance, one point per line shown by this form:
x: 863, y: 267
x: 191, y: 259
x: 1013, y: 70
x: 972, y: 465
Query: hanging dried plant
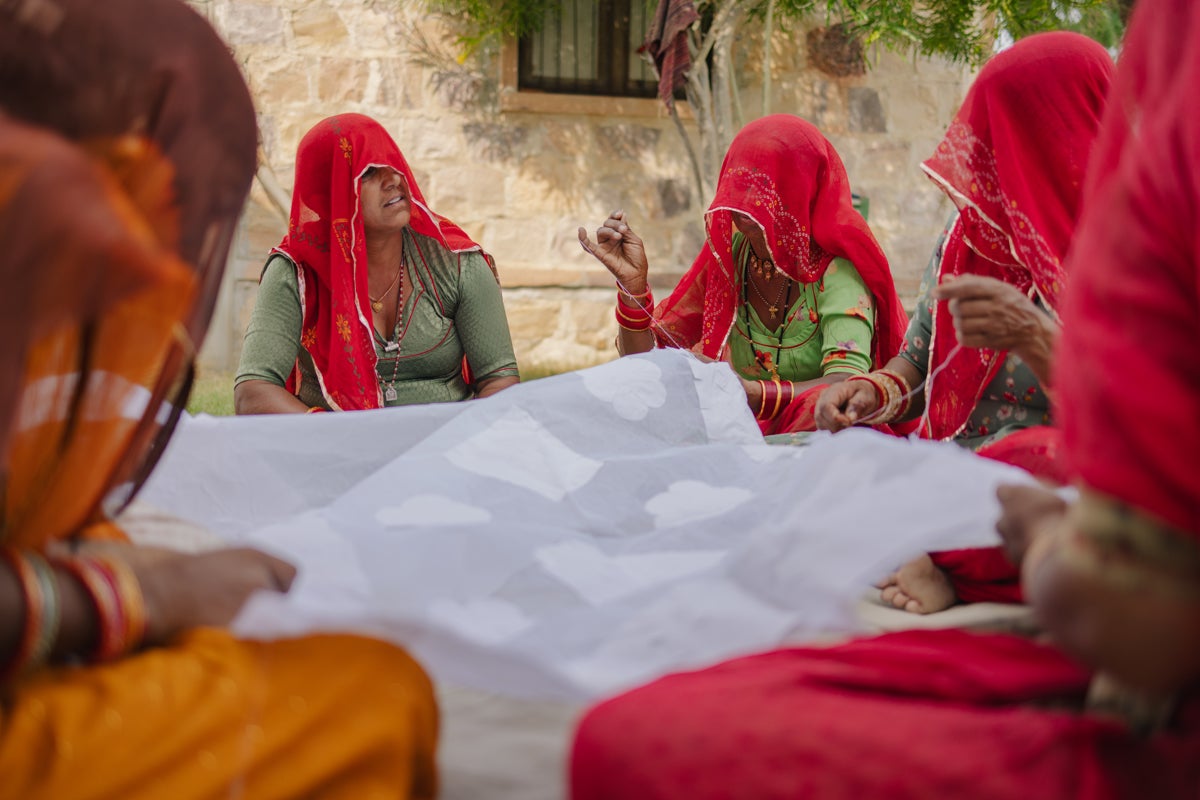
x: 836, y: 51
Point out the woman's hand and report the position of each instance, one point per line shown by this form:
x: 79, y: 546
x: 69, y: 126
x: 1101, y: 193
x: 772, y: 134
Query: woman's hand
x: 1024, y: 514
x: 619, y: 249
x: 845, y: 403
x: 184, y: 591
x: 993, y: 314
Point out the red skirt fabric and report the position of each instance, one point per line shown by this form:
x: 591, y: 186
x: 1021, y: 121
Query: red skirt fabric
x: 918, y: 714
x: 984, y: 574
x: 799, y: 416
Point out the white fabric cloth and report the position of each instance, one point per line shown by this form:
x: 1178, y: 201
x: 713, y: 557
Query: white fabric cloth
x: 575, y: 535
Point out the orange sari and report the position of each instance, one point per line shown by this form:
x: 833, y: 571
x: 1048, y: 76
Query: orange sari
x: 110, y: 268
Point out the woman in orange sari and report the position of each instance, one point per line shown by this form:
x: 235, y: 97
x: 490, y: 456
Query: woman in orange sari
x: 127, y: 145
x: 1115, y: 579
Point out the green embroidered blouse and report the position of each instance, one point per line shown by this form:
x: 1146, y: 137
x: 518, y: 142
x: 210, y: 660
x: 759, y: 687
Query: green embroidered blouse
x: 828, y: 329
x: 427, y: 366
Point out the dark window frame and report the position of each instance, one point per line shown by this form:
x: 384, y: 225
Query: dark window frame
x: 613, y: 53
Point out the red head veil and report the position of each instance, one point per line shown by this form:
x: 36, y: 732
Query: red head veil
x: 1013, y: 161
x: 1128, y: 367
x: 326, y: 241
x: 782, y: 173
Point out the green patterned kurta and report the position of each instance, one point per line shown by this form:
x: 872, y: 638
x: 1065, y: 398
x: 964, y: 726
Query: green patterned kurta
x: 454, y: 307
x: 1011, y: 401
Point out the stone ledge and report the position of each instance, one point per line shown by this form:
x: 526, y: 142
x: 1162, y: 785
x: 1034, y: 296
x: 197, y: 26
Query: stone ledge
x: 542, y: 278
x: 585, y: 104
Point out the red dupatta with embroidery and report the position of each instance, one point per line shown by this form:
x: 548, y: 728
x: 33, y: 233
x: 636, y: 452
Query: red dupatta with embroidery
x: 785, y: 175
x: 327, y: 243
x: 1013, y: 161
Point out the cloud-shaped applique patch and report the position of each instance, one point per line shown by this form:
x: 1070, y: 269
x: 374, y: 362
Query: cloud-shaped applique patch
x: 431, y: 509
x: 640, y: 389
x: 691, y: 501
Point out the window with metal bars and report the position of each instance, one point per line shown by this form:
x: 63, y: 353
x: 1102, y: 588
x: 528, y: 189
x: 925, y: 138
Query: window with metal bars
x: 589, y: 47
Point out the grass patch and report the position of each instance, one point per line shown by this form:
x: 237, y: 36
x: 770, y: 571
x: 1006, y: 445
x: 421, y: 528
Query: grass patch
x: 212, y: 394
x: 540, y: 371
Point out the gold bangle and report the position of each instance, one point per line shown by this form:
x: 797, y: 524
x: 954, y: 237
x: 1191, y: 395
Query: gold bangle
x: 906, y: 391
x: 622, y: 290
x: 884, y: 391
x: 644, y: 316
x: 778, y: 397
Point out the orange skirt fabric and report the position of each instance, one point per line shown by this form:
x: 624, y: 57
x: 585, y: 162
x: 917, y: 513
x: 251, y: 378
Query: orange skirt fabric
x: 214, y: 717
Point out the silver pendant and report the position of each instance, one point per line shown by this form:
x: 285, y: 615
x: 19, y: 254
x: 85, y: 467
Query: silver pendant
x: 391, y: 347
x: 389, y: 394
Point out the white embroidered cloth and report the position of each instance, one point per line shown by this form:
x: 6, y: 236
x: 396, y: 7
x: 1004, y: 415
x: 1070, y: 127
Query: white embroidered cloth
x: 575, y: 535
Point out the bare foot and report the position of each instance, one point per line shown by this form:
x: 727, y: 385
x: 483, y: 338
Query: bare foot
x: 918, y: 587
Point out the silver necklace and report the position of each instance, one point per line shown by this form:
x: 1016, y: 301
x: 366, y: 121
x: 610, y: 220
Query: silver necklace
x: 392, y: 345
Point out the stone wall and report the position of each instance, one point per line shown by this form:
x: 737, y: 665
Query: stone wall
x: 522, y: 182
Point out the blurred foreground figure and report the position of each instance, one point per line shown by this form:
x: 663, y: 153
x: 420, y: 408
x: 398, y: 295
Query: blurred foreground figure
x: 127, y: 145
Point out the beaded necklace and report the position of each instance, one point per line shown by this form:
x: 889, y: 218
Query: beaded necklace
x: 763, y: 358
x: 392, y: 345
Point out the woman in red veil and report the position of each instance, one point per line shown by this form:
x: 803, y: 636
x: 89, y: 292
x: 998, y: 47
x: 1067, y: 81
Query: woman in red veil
x: 371, y: 299
x: 791, y: 288
x: 977, y: 355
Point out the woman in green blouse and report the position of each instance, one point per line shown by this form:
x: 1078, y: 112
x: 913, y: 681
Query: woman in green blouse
x: 792, y: 289
x: 979, y: 351
x: 371, y: 299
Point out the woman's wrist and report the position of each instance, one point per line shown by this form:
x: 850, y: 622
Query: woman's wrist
x: 1037, y: 350
x: 634, y: 312
x: 754, y: 394
x: 634, y: 288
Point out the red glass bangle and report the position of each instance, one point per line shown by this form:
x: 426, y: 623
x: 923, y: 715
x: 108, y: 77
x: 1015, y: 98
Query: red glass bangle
x: 880, y: 392
x: 636, y: 308
x: 130, y: 602
x: 630, y: 324
x: 646, y: 295
x: 103, y: 594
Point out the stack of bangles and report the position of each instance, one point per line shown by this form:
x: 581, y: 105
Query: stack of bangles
x: 892, y: 392
x: 638, y: 314
x: 776, y: 395
x: 110, y: 585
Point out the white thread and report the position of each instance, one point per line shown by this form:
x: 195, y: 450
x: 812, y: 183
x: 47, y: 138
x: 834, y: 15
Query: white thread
x: 653, y: 322
x: 920, y: 387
